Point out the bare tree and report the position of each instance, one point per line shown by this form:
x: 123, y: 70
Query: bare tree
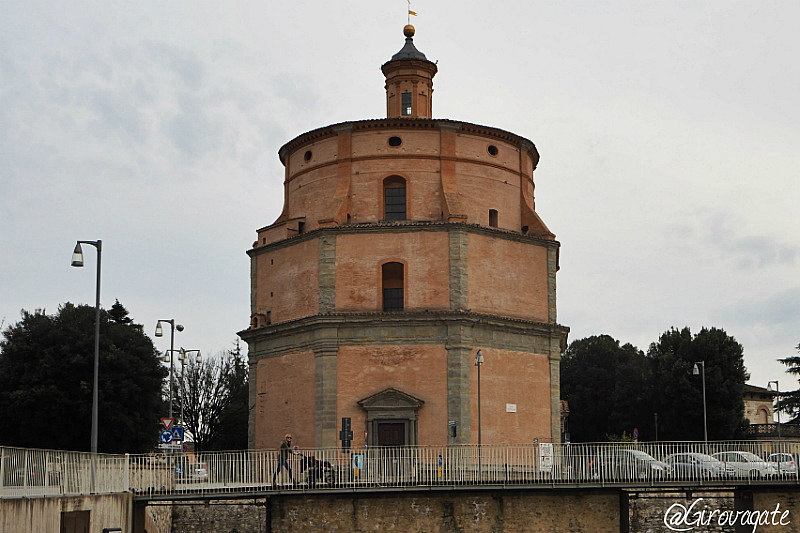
x: 210, y: 394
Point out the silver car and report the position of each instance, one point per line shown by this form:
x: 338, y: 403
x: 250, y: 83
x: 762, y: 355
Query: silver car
x: 746, y: 464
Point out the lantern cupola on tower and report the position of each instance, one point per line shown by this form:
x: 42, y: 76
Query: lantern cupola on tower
x: 409, y: 81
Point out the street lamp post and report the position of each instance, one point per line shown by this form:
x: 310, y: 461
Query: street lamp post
x: 778, y: 396
x: 696, y: 371
x: 478, y: 363
x: 160, y: 333
x: 77, y: 261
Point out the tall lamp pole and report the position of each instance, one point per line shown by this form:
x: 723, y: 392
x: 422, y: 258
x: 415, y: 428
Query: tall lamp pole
x: 478, y: 363
x: 77, y: 261
x: 160, y: 333
x: 777, y: 395
x: 696, y: 371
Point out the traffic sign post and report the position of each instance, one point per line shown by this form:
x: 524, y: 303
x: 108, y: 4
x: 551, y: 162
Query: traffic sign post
x: 166, y: 437
x: 346, y: 435
x: 177, y: 433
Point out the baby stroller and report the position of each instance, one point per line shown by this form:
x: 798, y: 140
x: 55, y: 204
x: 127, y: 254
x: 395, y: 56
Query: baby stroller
x: 317, y: 471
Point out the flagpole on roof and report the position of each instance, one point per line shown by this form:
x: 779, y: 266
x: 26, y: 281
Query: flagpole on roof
x: 410, y: 12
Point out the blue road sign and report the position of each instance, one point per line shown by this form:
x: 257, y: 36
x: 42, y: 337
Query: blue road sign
x: 177, y: 433
x: 166, y: 436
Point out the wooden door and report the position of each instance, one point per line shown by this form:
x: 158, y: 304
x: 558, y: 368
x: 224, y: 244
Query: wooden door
x: 391, y: 434
x: 75, y: 521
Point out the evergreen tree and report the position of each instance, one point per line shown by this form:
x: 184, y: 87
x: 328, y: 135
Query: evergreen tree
x: 789, y: 402
x: 605, y: 385
x: 46, y: 381
x: 678, y: 392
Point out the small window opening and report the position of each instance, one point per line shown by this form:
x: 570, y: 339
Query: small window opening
x: 493, y: 218
x: 395, y: 141
x: 392, y: 281
x: 269, y: 316
x: 348, y: 218
x: 308, y: 155
x: 405, y: 103
x: 493, y: 151
x: 301, y: 227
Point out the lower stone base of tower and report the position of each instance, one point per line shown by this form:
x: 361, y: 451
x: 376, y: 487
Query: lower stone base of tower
x: 405, y: 379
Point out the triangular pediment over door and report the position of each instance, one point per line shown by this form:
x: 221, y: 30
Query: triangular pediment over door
x: 392, y: 418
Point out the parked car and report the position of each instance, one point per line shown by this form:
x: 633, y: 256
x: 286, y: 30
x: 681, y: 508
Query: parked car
x: 34, y: 474
x: 617, y: 464
x: 785, y: 463
x: 191, y: 472
x: 747, y: 464
x: 691, y: 466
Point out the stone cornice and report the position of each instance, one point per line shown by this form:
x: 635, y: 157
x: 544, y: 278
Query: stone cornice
x: 413, y: 319
x: 403, y: 227
x: 409, y: 123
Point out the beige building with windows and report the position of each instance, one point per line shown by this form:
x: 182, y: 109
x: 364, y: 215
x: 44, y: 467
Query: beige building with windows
x: 758, y: 403
x: 405, y: 244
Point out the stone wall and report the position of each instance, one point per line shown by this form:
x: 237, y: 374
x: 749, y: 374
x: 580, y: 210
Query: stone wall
x: 220, y: 516
x: 646, y: 509
x: 475, y: 512
x: 506, y: 511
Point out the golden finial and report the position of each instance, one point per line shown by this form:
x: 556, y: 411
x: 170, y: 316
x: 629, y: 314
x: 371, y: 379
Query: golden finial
x: 408, y: 30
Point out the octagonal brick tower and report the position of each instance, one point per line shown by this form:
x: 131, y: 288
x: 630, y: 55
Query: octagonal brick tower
x: 405, y: 244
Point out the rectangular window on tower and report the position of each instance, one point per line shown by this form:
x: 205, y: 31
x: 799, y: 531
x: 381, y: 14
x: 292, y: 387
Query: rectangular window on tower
x: 405, y: 102
x: 394, y: 203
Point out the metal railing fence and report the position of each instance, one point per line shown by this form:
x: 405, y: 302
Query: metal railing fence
x: 27, y: 472
x: 32, y: 472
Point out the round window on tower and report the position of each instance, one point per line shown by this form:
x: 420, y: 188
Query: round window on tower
x: 395, y: 141
x: 492, y: 150
x: 308, y: 155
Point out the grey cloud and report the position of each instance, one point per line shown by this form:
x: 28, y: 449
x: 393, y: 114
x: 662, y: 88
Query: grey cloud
x: 776, y: 310
x: 179, y: 61
x: 748, y: 251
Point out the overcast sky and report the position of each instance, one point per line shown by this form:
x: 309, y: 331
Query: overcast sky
x: 668, y: 134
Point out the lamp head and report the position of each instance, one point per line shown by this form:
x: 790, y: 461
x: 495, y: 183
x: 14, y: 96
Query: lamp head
x: 159, y: 331
x: 77, y: 256
x: 179, y: 327
x: 696, y: 369
x: 479, y: 358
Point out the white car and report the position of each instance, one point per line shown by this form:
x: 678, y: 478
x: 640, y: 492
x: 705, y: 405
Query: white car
x: 192, y: 472
x: 784, y: 462
x: 746, y: 464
